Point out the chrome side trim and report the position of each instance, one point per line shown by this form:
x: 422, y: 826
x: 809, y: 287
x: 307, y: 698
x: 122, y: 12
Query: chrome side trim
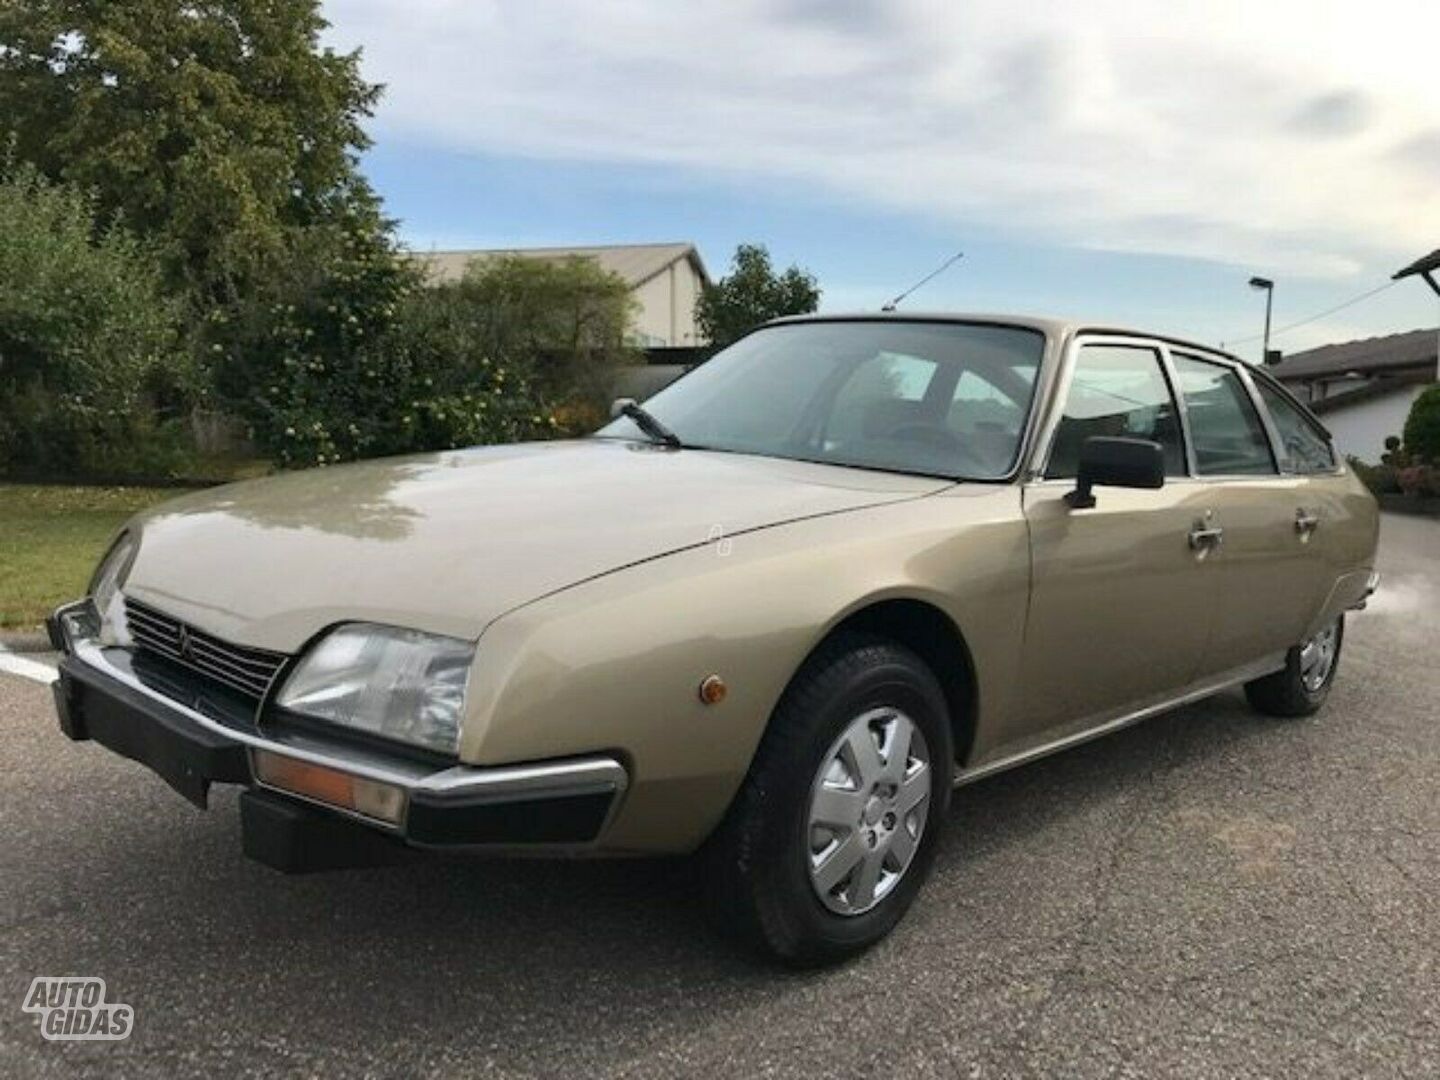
x: 1201, y: 689
x: 458, y: 783
x: 1272, y: 432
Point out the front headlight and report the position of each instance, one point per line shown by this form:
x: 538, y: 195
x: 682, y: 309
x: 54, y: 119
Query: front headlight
x: 105, y: 588
x: 398, y: 684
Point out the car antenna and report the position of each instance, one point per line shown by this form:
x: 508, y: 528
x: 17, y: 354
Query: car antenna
x: 893, y: 304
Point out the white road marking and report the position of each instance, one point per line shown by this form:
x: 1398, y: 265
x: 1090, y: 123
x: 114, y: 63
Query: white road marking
x: 26, y: 668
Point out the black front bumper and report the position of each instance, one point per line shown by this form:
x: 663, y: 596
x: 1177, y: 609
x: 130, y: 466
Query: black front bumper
x: 135, y: 725
x: 278, y: 832
x: 295, y: 835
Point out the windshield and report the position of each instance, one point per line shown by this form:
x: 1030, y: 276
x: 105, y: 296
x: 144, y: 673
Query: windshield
x: 942, y: 399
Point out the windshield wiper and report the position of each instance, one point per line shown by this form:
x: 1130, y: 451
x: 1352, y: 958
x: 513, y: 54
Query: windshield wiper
x: 652, y: 427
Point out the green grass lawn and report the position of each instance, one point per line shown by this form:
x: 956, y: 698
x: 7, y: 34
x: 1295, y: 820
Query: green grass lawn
x: 52, y: 537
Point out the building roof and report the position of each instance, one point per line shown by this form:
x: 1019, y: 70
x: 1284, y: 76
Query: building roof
x: 1369, y: 356
x: 1379, y: 388
x: 635, y: 263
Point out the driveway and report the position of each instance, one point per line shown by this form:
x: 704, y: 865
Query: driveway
x: 1209, y: 894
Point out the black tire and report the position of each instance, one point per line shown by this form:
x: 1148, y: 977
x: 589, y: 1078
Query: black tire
x: 1285, y: 693
x: 758, y: 871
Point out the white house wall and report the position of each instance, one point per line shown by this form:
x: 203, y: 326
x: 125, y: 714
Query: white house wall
x: 1361, y: 429
x: 666, y: 314
x: 687, y: 292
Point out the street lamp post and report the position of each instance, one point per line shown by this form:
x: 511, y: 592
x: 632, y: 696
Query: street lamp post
x: 1426, y: 267
x: 1269, y: 287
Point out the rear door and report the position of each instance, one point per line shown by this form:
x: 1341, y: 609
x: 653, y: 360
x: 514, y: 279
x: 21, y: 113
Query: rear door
x: 1121, y: 602
x: 1270, y: 571
x: 1323, y: 511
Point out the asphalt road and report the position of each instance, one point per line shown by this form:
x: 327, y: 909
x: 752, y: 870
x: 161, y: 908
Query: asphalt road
x: 1210, y: 894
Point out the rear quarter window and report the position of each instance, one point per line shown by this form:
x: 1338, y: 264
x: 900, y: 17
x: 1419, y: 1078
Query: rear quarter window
x: 1304, y: 448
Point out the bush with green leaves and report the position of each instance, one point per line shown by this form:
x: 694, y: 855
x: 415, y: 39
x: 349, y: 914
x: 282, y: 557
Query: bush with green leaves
x: 1422, y: 427
x: 93, y: 376
x: 1382, y: 479
x: 566, y: 321
x: 349, y: 356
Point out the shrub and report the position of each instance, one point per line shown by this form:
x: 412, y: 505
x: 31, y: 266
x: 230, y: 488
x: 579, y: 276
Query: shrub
x: 1394, y: 455
x: 1380, y: 479
x: 1422, y: 427
x: 1419, y: 480
x: 350, y: 357
x: 93, y: 375
x: 566, y: 321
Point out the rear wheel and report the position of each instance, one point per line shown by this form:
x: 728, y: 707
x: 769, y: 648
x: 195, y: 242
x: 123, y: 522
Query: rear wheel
x: 834, y: 829
x: 1303, y: 684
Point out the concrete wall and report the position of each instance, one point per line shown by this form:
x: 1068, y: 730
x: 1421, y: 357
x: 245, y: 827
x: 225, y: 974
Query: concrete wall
x: 1361, y: 429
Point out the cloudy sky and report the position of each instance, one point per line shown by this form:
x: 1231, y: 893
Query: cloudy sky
x: 1135, y: 160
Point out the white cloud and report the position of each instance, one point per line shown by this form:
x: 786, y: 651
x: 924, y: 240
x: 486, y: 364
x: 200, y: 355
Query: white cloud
x: 1291, y: 135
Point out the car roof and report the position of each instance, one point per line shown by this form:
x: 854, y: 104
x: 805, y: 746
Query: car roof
x: 1057, y: 328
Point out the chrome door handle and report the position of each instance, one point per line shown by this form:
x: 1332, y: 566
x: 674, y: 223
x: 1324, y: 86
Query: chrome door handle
x: 1203, y: 536
x: 1306, y: 523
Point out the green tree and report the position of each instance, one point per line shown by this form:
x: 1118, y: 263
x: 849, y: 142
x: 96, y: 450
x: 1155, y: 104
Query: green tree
x: 93, y: 378
x: 216, y: 126
x: 1422, y: 427
x: 752, y: 294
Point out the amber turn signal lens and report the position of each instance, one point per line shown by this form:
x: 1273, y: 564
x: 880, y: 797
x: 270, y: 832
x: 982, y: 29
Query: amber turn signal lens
x: 713, y: 690
x: 384, y: 802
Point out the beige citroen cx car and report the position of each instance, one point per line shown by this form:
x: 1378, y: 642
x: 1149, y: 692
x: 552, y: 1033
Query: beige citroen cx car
x: 771, y: 616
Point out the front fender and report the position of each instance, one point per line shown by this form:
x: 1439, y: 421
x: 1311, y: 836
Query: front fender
x: 614, y: 664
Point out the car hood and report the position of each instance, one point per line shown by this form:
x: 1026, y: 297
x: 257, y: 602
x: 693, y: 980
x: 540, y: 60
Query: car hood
x: 448, y: 542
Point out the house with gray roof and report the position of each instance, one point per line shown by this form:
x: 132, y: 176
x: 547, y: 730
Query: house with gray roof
x: 1363, y: 389
x: 664, y: 279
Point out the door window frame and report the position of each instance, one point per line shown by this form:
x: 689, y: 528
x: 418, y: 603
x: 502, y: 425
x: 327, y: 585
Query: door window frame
x: 1267, y: 425
x: 1055, y: 406
x: 1253, y: 379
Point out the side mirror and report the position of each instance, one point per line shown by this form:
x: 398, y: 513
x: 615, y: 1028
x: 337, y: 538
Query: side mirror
x: 1132, y: 463
x: 619, y: 405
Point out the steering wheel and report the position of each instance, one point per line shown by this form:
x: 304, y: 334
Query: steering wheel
x: 939, y: 438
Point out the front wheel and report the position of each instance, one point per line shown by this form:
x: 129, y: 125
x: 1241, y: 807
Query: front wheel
x: 833, y: 831
x: 1303, y: 684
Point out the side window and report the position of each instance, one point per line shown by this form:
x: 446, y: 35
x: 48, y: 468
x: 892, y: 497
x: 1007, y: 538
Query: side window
x: 1304, y: 448
x: 1116, y: 390
x: 1224, y: 426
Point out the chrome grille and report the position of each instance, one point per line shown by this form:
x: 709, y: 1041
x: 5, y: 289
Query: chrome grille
x: 250, y: 671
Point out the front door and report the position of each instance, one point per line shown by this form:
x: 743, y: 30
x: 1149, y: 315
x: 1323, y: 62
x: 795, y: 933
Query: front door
x: 1121, y: 597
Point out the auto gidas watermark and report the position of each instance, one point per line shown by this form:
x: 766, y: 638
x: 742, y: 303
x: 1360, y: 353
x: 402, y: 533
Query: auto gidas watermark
x: 74, y: 1008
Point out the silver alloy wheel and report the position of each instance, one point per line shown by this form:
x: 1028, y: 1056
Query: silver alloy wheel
x: 868, y: 807
x: 1317, y: 657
